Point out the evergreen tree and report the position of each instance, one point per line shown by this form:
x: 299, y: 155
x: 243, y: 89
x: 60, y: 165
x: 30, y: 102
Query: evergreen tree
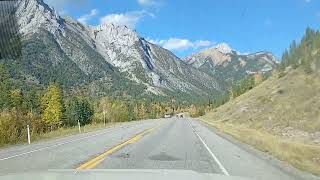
x: 32, y: 101
x: 85, y: 111
x: 16, y: 98
x: 78, y: 110
x: 309, y: 35
x: 307, y: 53
x: 294, y: 56
x: 5, y: 87
x: 285, y: 60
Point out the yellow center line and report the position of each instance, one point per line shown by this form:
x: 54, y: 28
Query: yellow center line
x: 97, y: 160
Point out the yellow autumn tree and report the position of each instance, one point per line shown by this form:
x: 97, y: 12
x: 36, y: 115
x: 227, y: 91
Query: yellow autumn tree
x: 105, y: 108
x: 136, y: 112
x: 16, y: 99
x: 193, y: 110
x: 119, y: 111
x: 143, y: 112
x: 52, y: 106
x: 158, y: 110
x: 258, y: 78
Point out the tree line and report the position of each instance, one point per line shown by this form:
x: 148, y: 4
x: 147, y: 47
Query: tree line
x: 234, y: 91
x: 43, y: 110
x: 246, y: 84
x: 305, y: 54
x: 50, y: 108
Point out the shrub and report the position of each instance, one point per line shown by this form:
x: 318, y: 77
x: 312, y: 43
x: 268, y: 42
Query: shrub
x: 12, y: 128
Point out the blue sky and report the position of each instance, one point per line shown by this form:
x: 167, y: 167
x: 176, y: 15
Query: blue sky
x: 187, y: 26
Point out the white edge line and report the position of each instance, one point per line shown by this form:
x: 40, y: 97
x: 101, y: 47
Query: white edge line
x: 48, y: 147
x: 59, y: 144
x: 222, y: 168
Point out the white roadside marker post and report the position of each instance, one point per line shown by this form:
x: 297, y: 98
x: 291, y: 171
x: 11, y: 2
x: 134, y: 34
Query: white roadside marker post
x: 104, y: 118
x: 79, y: 127
x: 28, y: 131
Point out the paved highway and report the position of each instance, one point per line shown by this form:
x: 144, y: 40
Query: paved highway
x: 152, y: 144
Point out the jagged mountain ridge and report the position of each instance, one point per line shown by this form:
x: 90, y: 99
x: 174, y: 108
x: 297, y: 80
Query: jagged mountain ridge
x: 113, y: 59
x: 95, y: 56
x: 144, y: 62
x: 230, y: 66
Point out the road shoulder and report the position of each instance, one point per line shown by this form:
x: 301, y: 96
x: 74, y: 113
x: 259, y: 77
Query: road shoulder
x: 283, y: 166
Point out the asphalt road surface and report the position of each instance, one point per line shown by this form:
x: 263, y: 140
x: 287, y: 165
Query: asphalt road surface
x: 184, y: 144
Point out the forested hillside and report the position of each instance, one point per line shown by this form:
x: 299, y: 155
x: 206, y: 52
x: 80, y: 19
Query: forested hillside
x: 305, y: 54
x: 56, y: 72
x: 51, y: 108
x: 281, y: 115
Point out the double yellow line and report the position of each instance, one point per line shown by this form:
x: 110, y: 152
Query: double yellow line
x: 97, y: 160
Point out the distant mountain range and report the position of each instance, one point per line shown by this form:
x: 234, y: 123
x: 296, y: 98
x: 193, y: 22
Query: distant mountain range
x: 229, y: 66
x: 115, y: 60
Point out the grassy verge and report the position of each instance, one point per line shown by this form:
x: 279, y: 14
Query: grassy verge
x: 72, y: 131
x: 63, y: 132
x: 302, y: 156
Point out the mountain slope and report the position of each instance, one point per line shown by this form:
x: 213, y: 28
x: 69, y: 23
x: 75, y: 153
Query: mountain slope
x: 280, y: 117
x: 52, y: 51
x: 101, y: 59
x: 147, y: 63
x: 229, y: 66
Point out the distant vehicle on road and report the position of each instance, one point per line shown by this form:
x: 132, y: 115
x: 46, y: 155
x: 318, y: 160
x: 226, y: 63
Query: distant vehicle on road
x: 167, y: 116
x: 180, y: 115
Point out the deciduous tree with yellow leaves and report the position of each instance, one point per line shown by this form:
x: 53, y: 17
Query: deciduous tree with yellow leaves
x: 52, y: 106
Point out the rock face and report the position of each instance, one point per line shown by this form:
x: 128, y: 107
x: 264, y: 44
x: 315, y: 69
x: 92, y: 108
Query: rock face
x: 147, y: 63
x: 53, y: 49
x: 116, y: 60
x: 229, y: 66
x: 103, y: 59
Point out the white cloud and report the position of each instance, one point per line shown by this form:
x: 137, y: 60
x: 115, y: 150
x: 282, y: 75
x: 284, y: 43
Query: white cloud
x: 203, y: 43
x: 147, y: 2
x: 86, y: 17
x: 181, y: 44
x: 129, y: 19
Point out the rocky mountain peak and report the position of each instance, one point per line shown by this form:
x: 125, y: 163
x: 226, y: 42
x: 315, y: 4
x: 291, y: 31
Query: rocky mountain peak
x: 216, y: 56
x: 112, y: 33
x: 34, y: 14
x: 224, y: 48
x: 108, y: 53
x: 230, y: 66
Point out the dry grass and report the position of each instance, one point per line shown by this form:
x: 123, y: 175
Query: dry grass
x: 303, y: 156
x: 63, y: 132
x: 281, y: 116
x: 291, y: 101
x: 72, y: 131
